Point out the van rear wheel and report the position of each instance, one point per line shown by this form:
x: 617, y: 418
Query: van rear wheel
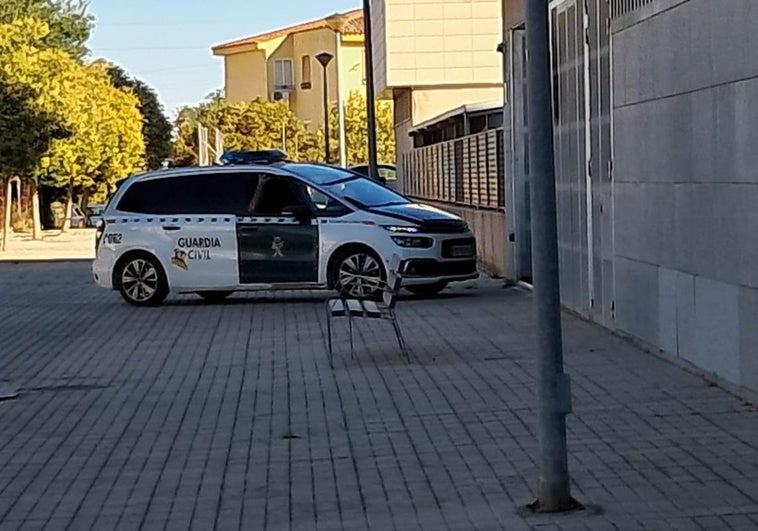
x: 141, y: 281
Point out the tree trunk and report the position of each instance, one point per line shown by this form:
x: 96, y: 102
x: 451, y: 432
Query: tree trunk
x: 37, y: 224
x: 7, y: 214
x: 69, y: 207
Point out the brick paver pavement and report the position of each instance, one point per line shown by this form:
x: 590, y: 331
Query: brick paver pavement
x: 196, y: 416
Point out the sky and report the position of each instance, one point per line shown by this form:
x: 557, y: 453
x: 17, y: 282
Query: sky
x: 166, y: 43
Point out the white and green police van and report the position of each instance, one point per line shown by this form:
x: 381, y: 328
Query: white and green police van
x: 261, y: 222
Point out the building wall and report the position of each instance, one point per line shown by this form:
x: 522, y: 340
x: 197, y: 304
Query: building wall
x: 353, y: 67
x: 308, y: 104
x: 686, y: 189
x: 448, y: 42
x: 245, y: 76
x: 430, y: 102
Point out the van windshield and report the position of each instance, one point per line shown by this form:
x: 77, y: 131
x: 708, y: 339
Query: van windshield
x: 365, y: 193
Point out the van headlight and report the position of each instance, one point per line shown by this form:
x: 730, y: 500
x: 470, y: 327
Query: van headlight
x: 402, y: 229
x: 413, y: 241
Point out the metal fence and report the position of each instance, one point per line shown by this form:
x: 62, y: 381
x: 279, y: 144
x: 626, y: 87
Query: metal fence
x: 620, y: 8
x: 468, y: 171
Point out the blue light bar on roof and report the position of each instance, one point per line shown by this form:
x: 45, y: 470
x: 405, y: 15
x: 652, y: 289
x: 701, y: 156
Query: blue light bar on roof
x: 269, y: 156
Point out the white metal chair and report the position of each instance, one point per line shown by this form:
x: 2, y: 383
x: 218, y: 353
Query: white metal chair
x: 368, y: 309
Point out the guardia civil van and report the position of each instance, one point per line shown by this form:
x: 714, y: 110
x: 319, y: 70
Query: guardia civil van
x: 261, y: 222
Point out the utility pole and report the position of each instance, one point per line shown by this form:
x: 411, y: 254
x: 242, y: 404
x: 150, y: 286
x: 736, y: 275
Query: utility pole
x: 554, y: 388
x: 370, y: 97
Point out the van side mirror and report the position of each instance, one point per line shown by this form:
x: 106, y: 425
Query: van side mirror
x: 301, y: 213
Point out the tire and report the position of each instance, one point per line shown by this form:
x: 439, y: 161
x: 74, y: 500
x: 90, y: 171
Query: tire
x: 141, y: 280
x: 358, y: 273
x: 214, y: 296
x: 427, y: 290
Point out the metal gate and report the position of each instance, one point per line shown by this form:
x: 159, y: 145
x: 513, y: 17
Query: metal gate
x: 568, y: 27
x: 580, y: 44
x: 601, y: 162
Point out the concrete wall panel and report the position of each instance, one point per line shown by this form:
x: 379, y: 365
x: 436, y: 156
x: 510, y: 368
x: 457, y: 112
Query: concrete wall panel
x: 717, y: 324
x: 637, y: 299
x: 749, y: 337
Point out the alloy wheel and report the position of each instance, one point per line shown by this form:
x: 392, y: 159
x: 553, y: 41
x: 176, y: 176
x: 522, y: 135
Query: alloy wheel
x: 360, y: 275
x: 139, y: 280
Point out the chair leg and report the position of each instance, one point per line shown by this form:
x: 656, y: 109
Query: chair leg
x: 350, y: 326
x: 400, y: 339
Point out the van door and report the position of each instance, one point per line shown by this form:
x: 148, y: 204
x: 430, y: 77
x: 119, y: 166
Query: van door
x: 188, y: 222
x: 274, y: 246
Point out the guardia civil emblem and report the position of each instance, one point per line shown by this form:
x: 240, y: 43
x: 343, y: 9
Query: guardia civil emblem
x: 277, y: 245
x: 179, y: 259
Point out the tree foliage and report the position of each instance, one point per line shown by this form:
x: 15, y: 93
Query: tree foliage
x: 69, y: 25
x: 26, y: 131
x: 254, y: 125
x: 156, y: 128
x: 356, y: 131
x: 104, y: 140
x: 260, y: 124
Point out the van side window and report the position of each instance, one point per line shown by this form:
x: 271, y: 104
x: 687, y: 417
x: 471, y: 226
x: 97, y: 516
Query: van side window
x: 273, y: 195
x: 223, y: 193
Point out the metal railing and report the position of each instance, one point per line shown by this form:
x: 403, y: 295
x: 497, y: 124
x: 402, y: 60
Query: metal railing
x: 468, y: 171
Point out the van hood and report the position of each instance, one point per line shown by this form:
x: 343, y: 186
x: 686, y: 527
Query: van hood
x: 429, y: 218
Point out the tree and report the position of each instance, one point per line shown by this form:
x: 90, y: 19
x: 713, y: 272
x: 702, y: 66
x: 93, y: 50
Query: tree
x: 356, y: 133
x: 69, y: 23
x: 156, y: 129
x: 260, y: 124
x: 26, y: 133
x: 105, y: 141
x: 254, y: 125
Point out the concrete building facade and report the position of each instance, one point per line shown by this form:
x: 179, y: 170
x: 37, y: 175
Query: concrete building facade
x: 656, y: 183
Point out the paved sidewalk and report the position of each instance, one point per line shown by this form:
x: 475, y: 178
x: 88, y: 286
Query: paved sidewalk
x: 196, y: 416
x: 76, y: 244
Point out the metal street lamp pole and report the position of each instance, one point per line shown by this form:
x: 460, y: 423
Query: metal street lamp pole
x: 553, y: 492
x: 324, y: 59
x: 370, y: 97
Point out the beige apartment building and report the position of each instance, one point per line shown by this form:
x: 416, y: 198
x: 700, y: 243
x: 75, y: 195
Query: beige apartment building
x: 281, y: 65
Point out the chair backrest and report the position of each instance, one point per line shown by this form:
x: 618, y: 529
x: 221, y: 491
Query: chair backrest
x: 394, y: 281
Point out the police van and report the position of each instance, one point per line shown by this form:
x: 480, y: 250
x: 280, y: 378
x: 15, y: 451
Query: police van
x: 261, y: 222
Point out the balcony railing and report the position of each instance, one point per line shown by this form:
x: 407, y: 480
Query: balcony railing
x: 468, y: 171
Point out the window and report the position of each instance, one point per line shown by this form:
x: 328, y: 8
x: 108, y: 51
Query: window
x: 326, y: 206
x: 365, y: 193
x: 191, y: 194
x: 283, y: 77
x: 306, y: 73
x: 387, y: 173
x: 273, y: 195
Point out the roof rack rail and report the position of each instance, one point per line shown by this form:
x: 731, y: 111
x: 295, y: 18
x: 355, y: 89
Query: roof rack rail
x: 269, y: 156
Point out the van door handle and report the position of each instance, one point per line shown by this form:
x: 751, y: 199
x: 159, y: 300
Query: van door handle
x: 171, y: 227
